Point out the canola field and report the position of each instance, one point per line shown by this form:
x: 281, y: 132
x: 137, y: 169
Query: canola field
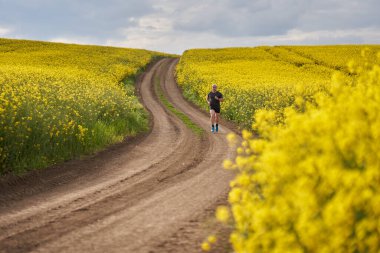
x: 58, y: 101
x: 262, y: 77
x: 308, y: 174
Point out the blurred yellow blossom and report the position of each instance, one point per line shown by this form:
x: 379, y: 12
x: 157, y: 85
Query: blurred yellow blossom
x: 206, y: 246
x: 222, y: 213
x: 308, y: 179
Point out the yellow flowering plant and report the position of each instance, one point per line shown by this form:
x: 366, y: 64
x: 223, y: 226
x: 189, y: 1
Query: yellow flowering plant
x: 308, y: 175
x: 312, y: 184
x: 264, y: 78
x: 58, y: 101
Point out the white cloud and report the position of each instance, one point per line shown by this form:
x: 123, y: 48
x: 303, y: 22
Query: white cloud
x: 4, y: 31
x: 362, y: 35
x: 177, y: 42
x: 155, y: 23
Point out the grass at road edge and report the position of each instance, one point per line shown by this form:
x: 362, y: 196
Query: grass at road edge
x: 186, y: 120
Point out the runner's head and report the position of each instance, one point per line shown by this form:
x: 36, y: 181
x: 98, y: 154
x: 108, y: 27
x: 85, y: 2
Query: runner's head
x: 214, y: 87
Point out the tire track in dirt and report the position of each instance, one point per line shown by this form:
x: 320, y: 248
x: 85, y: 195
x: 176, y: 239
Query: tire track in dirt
x: 129, y: 198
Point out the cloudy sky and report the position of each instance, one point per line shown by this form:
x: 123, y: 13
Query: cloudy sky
x: 176, y: 25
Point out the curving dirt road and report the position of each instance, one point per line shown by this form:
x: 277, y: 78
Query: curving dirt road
x: 150, y: 194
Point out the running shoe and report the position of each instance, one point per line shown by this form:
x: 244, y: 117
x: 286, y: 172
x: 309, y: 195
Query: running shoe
x: 216, y: 128
x: 212, y: 129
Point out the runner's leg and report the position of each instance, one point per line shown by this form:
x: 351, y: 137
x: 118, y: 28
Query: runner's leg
x: 217, y: 121
x: 212, y: 119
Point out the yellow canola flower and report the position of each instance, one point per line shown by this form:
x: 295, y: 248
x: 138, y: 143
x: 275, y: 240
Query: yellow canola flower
x: 211, y: 239
x: 206, y: 246
x: 234, y: 195
x: 55, y: 95
x: 222, y: 214
x: 232, y: 139
x: 308, y: 178
x: 269, y: 78
x: 227, y: 164
x: 316, y: 174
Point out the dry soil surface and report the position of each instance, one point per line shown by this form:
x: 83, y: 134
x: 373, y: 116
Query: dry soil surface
x: 155, y: 193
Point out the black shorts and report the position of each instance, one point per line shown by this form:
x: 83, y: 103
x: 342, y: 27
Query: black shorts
x: 215, y: 108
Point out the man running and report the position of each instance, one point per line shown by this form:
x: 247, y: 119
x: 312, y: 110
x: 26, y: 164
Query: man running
x: 213, y: 99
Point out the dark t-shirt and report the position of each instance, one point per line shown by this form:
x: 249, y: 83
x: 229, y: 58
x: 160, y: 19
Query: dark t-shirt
x: 213, y: 102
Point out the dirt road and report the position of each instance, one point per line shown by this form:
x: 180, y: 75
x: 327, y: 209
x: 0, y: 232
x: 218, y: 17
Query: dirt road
x: 149, y: 194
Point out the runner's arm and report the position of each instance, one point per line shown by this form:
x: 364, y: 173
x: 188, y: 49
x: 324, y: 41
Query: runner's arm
x: 220, y: 98
x: 207, y: 99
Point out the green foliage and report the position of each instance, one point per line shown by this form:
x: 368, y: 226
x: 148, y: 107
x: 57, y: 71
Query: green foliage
x: 186, y: 120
